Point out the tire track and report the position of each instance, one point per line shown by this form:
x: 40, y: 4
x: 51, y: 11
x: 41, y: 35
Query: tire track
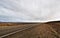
x: 20, y: 29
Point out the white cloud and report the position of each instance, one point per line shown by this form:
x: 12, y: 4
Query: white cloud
x: 29, y: 10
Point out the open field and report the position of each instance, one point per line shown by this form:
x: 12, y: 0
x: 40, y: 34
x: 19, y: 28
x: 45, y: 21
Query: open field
x: 46, y: 30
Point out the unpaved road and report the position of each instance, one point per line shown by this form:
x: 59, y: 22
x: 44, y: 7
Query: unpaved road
x: 47, y: 30
x: 38, y: 31
x: 4, y: 30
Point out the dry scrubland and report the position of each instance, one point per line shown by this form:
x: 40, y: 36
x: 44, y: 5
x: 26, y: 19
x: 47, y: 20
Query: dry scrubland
x: 10, y: 24
x: 47, y: 30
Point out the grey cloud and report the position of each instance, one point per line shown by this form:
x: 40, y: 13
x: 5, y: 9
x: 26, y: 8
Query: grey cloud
x: 29, y: 10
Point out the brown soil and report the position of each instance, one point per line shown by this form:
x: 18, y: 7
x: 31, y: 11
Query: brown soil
x: 48, y: 30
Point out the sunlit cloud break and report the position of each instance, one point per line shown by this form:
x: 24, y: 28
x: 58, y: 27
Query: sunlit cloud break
x: 29, y: 10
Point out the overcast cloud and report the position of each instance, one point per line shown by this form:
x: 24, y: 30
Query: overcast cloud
x: 29, y: 10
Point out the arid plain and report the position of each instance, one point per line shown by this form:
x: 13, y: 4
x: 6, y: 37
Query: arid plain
x: 36, y: 30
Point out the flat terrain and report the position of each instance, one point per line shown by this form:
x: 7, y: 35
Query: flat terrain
x: 45, y: 30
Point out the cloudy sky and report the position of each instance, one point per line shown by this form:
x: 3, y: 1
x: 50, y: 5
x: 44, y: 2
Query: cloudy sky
x: 29, y: 10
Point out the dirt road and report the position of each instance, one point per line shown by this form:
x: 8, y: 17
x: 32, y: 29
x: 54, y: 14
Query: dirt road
x: 47, y: 30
